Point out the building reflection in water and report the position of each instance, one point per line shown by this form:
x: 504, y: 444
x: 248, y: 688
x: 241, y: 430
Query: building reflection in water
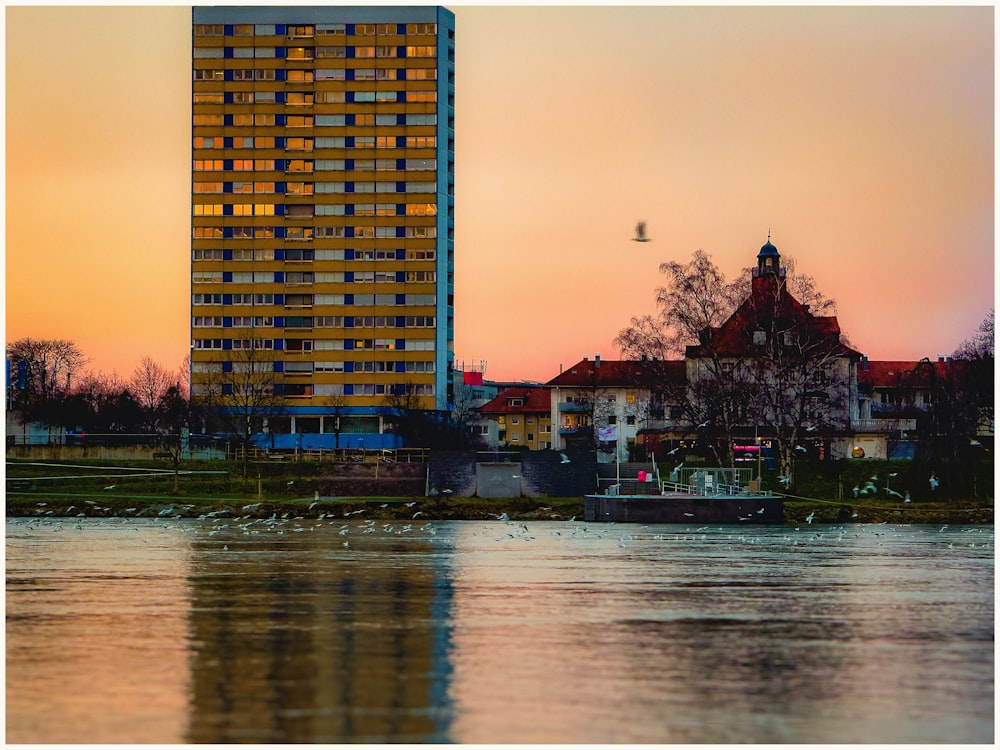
x: 308, y: 641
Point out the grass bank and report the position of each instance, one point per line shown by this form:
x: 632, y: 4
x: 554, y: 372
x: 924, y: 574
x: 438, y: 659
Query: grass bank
x: 92, y: 488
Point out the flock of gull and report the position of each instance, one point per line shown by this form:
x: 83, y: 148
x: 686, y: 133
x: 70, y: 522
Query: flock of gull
x: 228, y: 530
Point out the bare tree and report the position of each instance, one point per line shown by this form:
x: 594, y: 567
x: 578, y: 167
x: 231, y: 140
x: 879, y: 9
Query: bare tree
x: 149, y: 384
x: 338, y: 408
x: 758, y: 357
x: 43, y: 370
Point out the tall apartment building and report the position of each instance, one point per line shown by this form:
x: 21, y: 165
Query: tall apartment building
x: 322, y: 189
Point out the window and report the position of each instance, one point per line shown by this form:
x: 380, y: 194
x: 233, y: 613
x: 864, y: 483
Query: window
x: 329, y: 120
x: 421, y: 28
x: 207, y: 209
x: 208, y: 52
x: 299, y: 32
x: 385, y: 74
x: 421, y: 51
x: 207, y: 187
x: 299, y: 121
x: 208, y: 120
x: 298, y: 144
x: 421, y: 141
x: 204, y: 97
x: 421, y: 209
x: 206, y: 74
x: 266, y: 74
x: 612, y: 419
x: 421, y: 96
x: 264, y: 29
x: 330, y: 52
x: 209, y: 29
x: 208, y: 142
x: 364, y: 74
x: 208, y: 165
x: 421, y: 74
x: 206, y: 299
x: 330, y: 74
x: 630, y: 419
x: 331, y: 29
x: 424, y: 233
x: 299, y: 53
x: 212, y: 233
x: 206, y: 254
x: 330, y: 164
x: 330, y: 97
x: 298, y: 188
x: 421, y: 119
x: 336, y: 142
x: 299, y: 76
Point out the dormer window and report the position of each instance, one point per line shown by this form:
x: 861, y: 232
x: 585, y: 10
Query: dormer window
x: 760, y: 337
x: 515, y: 402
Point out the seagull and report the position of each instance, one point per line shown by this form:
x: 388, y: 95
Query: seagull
x: 907, y: 498
x: 640, y: 233
x: 934, y: 482
x: 703, y: 425
x: 289, y: 484
x: 110, y: 487
x: 896, y: 494
x: 784, y: 480
x: 856, y: 490
x: 410, y: 505
x: 800, y: 448
x: 810, y: 517
x: 312, y: 505
x: 670, y: 453
x: 563, y: 458
x: 974, y: 442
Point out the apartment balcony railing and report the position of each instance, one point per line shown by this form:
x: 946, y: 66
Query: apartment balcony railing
x: 575, y: 407
x: 884, y: 425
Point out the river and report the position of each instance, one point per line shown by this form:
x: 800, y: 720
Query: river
x: 344, y: 631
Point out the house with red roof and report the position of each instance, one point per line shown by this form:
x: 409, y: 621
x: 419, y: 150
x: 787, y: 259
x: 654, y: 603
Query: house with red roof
x: 523, y: 417
x: 612, y: 402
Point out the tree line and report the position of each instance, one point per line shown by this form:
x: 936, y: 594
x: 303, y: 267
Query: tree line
x: 48, y: 384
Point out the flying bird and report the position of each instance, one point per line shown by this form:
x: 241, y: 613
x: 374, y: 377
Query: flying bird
x: 640, y: 233
x: 563, y: 458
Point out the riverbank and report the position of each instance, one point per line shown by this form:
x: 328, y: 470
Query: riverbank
x: 798, y: 511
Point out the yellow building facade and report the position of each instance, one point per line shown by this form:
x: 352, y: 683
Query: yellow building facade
x: 322, y: 213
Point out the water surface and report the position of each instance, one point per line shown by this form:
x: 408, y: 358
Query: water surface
x: 334, y: 630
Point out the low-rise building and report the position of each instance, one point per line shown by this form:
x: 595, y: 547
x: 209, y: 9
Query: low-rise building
x: 523, y: 418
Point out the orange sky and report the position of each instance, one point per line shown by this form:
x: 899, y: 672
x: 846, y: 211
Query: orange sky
x: 861, y: 136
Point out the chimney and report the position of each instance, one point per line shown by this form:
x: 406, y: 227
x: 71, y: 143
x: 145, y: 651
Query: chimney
x: 584, y: 357
x: 597, y: 359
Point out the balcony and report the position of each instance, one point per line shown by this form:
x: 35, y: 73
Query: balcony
x: 575, y: 407
x: 884, y: 426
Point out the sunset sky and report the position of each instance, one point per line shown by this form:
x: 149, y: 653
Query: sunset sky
x: 862, y: 137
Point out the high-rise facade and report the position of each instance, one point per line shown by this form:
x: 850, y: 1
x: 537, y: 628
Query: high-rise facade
x: 322, y: 201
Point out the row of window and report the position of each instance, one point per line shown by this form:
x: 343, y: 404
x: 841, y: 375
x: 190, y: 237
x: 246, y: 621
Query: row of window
x: 309, y: 345
x: 310, y: 121
x: 309, y: 166
x: 308, y: 211
x: 305, y: 255
x: 321, y: 232
x: 308, y: 31
x: 311, y: 277
x: 309, y: 98
x: 311, y: 188
x: 314, y: 76
x: 319, y: 300
x: 290, y: 143
x: 317, y: 53
x: 313, y: 321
